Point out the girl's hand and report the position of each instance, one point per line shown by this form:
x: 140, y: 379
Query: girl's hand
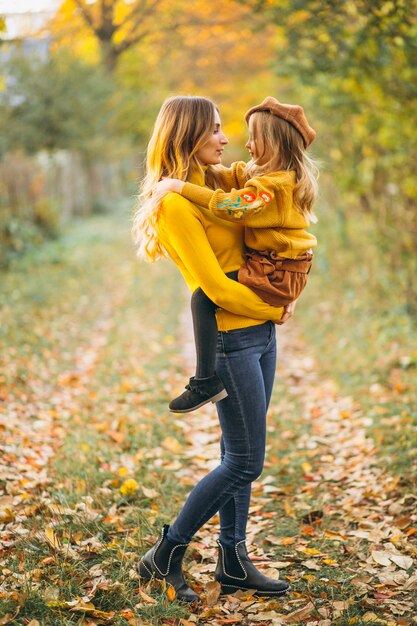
x: 288, y: 312
x: 168, y: 184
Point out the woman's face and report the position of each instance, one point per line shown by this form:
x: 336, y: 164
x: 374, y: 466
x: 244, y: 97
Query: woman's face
x: 211, y: 152
x: 256, y: 149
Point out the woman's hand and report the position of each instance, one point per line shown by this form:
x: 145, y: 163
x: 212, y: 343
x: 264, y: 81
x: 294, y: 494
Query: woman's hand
x: 288, y: 312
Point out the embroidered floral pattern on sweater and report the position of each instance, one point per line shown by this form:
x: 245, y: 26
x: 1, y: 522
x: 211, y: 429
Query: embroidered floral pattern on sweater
x: 247, y: 201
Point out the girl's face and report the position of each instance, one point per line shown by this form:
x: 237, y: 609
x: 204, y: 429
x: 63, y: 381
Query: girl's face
x: 255, y: 146
x: 211, y: 152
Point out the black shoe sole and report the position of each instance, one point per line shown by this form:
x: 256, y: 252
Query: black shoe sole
x: 219, y: 396
x: 229, y: 589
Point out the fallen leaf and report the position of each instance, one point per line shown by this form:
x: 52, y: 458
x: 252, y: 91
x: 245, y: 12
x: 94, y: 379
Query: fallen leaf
x: 172, y: 445
x: 332, y: 535
x: 150, y: 493
x: 147, y: 598
x: 300, y: 614
x: 171, y: 593
x: 382, y: 558
x: 405, y: 562
x: 212, y: 590
x: 129, y: 487
x: 288, y: 509
x: 52, y: 539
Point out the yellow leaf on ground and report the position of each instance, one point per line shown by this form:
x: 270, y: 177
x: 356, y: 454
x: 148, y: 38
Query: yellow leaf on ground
x: 147, y: 598
x: 287, y: 541
x: 332, y: 535
x: 52, y: 539
x: 6, y: 516
x: 172, y: 444
x: 288, y: 509
x: 129, y: 486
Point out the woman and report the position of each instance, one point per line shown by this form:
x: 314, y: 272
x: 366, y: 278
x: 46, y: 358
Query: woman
x: 186, y: 142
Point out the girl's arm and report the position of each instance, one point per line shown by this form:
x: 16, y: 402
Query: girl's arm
x: 227, y: 178
x: 269, y: 191
x: 244, y: 205
x: 180, y: 223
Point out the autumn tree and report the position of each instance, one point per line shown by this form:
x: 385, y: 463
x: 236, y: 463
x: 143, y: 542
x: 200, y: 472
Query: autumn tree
x: 354, y: 65
x: 119, y: 25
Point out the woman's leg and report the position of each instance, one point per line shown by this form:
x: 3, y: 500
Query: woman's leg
x: 242, y: 419
x: 234, y: 513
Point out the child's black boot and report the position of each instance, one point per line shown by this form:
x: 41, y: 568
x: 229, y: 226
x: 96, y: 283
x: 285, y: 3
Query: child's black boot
x: 164, y: 561
x: 199, y: 391
x: 236, y: 571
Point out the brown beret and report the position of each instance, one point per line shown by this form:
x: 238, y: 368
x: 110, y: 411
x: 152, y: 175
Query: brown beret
x: 292, y: 113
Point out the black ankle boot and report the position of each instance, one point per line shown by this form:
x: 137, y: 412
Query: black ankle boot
x: 236, y: 571
x: 199, y: 391
x: 164, y: 561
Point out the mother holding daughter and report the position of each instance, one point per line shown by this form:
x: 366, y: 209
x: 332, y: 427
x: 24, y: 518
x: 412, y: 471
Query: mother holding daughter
x: 204, y: 231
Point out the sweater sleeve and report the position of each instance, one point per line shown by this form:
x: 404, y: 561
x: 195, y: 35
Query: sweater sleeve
x: 228, y: 177
x: 181, y: 225
x: 242, y: 205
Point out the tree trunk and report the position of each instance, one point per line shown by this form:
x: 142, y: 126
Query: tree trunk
x: 109, y: 56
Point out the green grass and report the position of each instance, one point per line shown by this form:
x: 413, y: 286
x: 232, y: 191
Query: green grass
x: 94, y: 336
x: 90, y: 341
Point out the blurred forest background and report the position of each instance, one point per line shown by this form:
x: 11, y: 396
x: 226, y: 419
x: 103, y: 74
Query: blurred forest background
x: 80, y: 93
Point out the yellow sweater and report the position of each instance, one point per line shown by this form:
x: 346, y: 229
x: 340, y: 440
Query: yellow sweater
x: 265, y: 206
x: 204, y: 248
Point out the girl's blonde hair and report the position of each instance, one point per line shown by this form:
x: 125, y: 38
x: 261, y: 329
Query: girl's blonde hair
x: 184, y: 124
x: 283, y: 147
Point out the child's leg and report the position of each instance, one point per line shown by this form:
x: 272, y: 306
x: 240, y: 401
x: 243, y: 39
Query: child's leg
x: 205, y: 386
x: 205, y: 333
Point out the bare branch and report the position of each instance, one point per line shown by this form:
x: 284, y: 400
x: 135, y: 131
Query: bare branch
x: 134, y: 38
x: 87, y: 15
x: 140, y: 17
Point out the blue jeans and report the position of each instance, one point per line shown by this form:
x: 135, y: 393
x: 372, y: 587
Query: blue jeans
x: 246, y: 360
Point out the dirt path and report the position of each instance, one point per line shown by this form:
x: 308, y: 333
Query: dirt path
x: 86, y: 440
x: 352, y: 494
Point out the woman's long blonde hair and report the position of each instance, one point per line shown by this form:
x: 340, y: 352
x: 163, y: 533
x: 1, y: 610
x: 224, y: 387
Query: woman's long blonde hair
x: 184, y: 124
x: 283, y: 146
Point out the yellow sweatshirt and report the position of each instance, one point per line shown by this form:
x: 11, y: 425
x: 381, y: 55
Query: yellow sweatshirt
x: 264, y: 204
x: 204, y: 248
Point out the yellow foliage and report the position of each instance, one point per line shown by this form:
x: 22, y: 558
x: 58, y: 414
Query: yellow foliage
x: 129, y: 487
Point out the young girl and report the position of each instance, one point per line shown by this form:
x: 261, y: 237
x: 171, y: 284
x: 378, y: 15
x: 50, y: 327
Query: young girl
x: 273, y: 195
